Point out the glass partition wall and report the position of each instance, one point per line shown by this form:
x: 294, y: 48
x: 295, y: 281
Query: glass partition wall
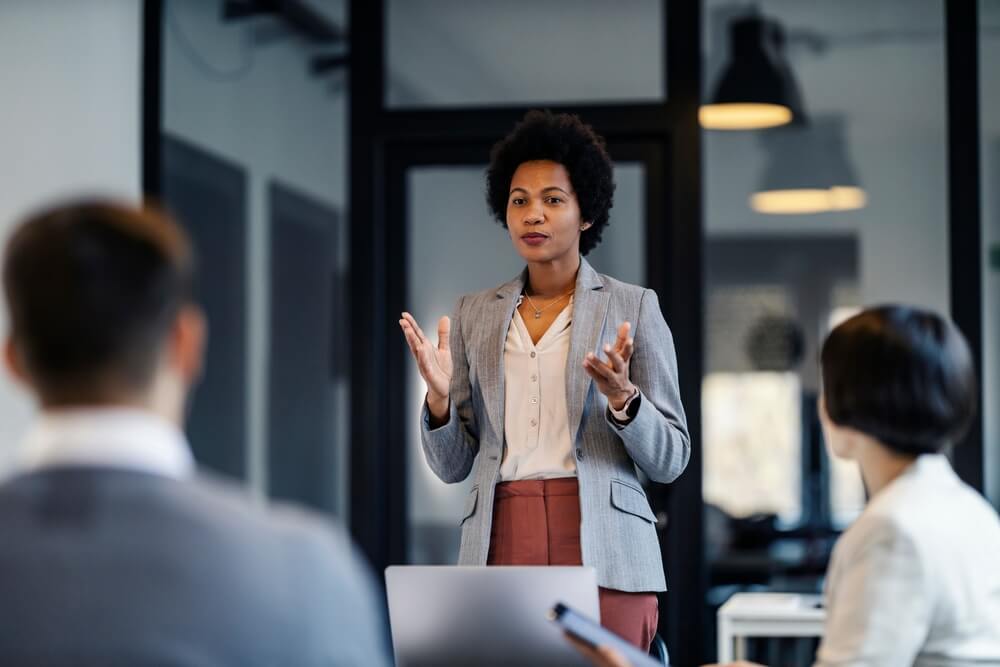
x: 806, y: 223
x: 253, y: 148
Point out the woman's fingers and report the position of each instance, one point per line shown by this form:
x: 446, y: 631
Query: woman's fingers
x: 416, y: 348
x: 423, y: 355
x: 597, y: 368
x: 416, y: 327
x: 615, y: 360
x: 411, y: 337
x: 444, y: 333
x: 623, y: 331
x: 627, y: 350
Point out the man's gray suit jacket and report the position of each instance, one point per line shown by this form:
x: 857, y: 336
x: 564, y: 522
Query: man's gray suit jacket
x: 104, y: 566
x: 618, y: 533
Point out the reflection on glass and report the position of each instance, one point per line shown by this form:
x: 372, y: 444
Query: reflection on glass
x: 808, y: 170
x: 240, y: 94
x: 752, y: 443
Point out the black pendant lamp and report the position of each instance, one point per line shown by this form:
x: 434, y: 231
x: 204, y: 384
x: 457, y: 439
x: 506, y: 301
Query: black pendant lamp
x: 808, y: 170
x: 756, y: 89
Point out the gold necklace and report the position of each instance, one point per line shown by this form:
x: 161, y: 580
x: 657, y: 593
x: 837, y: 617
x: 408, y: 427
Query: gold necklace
x: 538, y: 311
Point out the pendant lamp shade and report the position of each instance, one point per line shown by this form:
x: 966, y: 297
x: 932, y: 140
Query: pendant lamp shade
x: 808, y: 170
x: 756, y: 89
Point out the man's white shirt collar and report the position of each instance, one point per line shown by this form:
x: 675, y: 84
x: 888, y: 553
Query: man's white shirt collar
x: 118, y: 437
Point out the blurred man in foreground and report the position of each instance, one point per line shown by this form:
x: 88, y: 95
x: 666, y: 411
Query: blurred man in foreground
x: 115, y: 550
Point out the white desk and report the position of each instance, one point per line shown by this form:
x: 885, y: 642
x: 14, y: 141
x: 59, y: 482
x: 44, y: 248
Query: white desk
x: 766, y: 615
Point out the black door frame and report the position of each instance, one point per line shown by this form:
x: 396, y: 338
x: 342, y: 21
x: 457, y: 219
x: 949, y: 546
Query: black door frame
x: 665, y: 136
x: 961, y: 19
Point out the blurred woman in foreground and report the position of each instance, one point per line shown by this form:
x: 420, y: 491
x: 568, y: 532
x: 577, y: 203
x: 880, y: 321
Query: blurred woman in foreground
x: 916, y: 579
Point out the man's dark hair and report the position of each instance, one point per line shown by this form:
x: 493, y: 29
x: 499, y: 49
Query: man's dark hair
x: 565, y: 139
x: 92, y: 289
x: 901, y: 375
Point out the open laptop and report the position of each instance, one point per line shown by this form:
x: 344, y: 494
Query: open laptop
x: 485, y: 616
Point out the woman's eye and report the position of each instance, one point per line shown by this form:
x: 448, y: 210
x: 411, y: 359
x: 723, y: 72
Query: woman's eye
x: 517, y: 201
x: 555, y: 200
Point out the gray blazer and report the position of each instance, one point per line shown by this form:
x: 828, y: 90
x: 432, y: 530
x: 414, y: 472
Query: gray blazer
x: 617, y: 535
x: 107, y: 567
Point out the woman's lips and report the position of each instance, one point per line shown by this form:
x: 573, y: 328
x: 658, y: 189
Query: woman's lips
x: 534, y: 239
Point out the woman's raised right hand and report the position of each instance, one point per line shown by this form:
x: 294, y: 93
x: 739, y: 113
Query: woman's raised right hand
x: 433, y: 361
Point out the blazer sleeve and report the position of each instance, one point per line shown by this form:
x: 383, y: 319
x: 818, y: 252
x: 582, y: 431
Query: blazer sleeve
x: 657, y: 436
x: 451, y: 449
x: 878, y: 607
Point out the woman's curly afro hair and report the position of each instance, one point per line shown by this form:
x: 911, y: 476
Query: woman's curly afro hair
x: 565, y: 139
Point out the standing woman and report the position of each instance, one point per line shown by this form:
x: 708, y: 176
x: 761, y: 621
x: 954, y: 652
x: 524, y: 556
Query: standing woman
x: 553, y: 388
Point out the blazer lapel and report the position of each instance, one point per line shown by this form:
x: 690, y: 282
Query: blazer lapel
x: 590, y: 308
x: 497, y: 318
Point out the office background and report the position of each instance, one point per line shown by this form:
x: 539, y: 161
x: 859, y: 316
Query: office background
x: 327, y: 157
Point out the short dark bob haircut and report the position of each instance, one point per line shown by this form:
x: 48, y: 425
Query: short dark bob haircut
x: 901, y: 375
x: 93, y: 288
x: 565, y: 139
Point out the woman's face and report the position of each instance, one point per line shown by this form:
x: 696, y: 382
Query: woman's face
x: 543, y: 215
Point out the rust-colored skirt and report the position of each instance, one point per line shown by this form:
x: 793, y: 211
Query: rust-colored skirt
x: 537, y: 522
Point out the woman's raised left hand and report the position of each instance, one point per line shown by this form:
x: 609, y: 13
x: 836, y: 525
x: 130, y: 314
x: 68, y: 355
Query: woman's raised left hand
x: 611, y: 376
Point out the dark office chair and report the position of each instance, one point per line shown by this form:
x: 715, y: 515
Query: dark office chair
x: 658, y: 649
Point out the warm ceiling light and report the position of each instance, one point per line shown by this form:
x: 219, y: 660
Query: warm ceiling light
x: 743, y: 116
x: 804, y: 201
x: 848, y: 198
x: 756, y: 89
x: 808, y: 171
x: 790, y: 201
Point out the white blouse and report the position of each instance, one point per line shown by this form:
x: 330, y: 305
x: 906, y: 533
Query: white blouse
x: 536, y: 419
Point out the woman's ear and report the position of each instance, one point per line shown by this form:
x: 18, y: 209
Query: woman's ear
x: 585, y: 226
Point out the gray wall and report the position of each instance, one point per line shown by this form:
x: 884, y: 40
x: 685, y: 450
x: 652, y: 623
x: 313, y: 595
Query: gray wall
x: 69, y: 122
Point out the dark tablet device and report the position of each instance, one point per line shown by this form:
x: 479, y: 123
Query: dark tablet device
x: 592, y: 634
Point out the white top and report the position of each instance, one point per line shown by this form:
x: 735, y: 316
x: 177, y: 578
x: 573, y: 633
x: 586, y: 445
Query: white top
x: 536, y: 420
x: 916, y: 579
x: 115, y: 437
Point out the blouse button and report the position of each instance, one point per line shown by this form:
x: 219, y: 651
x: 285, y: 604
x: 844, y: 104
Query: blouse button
x: 532, y: 355
x: 534, y: 423
x: 534, y: 400
x: 534, y: 378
